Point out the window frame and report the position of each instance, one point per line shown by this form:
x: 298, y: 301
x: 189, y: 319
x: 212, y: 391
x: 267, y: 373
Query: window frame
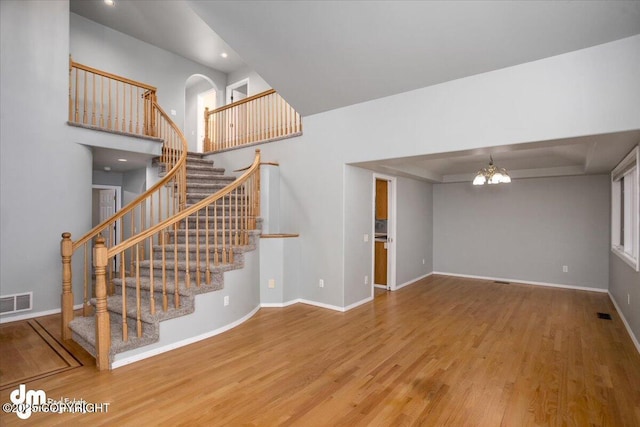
x: 625, y: 209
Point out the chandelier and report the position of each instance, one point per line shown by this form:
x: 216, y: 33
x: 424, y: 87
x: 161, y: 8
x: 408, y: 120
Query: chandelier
x: 491, y: 175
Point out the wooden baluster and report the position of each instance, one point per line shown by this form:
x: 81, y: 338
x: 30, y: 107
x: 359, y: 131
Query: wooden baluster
x: 133, y: 233
x: 77, y: 100
x: 84, y: 104
x: 124, y: 108
x: 206, y: 142
x: 197, y: 248
x: 122, y: 258
x: 187, y: 275
x: 138, y: 297
x: 137, y: 110
x: 103, y: 327
x: 245, y: 207
x: 130, y: 108
x: 102, y: 101
x: 224, y: 226
x: 176, y: 286
x: 256, y: 195
x: 206, y: 244
x: 70, y: 87
x: 66, y: 251
x: 93, y: 98
x: 116, y: 120
x: 165, y: 304
x: 109, y: 107
x: 151, y: 278
x: 123, y: 287
x: 86, y: 306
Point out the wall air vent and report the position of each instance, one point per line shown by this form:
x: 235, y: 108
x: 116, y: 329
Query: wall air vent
x: 16, y: 303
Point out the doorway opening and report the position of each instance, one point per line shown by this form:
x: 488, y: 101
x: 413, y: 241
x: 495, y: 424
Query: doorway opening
x: 237, y: 91
x: 106, y: 200
x: 200, y: 93
x: 384, y: 210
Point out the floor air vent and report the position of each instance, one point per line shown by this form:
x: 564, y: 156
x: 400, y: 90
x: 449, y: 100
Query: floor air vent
x: 604, y: 316
x: 501, y: 282
x: 15, y: 303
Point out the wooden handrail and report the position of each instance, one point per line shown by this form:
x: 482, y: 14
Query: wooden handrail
x: 258, y: 118
x: 243, y: 101
x: 140, y: 237
x: 111, y: 76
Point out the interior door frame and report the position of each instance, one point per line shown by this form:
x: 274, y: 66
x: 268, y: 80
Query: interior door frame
x: 391, y: 230
x: 118, y: 190
x: 235, y: 85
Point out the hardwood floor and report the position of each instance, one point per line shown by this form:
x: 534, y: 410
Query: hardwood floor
x: 444, y: 351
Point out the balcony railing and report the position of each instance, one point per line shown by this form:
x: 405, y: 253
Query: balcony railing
x: 110, y: 102
x: 259, y: 118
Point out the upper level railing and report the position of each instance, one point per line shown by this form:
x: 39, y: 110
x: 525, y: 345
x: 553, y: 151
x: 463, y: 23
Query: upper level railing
x: 259, y: 118
x: 162, y: 201
x: 110, y: 102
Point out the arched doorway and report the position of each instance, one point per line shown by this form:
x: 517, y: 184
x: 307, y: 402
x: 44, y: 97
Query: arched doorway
x: 199, y: 93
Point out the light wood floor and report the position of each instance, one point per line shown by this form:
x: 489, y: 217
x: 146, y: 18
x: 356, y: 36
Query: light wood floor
x: 444, y: 351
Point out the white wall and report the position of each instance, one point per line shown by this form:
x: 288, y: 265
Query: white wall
x: 100, y: 47
x: 526, y: 230
x: 624, y: 288
x: 591, y: 91
x: 45, y: 178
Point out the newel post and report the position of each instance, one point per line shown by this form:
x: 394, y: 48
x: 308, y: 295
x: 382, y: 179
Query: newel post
x: 66, y: 250
x: 207, y: 142
x: 103, y: 327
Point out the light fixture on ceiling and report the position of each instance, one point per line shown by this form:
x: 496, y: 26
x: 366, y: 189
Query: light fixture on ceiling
x: 224, y: 54
x: 122, y: 160
x: 109, y: 2
x: 491, y: 175
x: 107, y: 168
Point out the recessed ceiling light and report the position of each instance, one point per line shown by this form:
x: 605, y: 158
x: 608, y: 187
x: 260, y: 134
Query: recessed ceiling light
x: 122, y: 160
x: 224, y: 54
x: 107, y: 168
x: 109, y: 2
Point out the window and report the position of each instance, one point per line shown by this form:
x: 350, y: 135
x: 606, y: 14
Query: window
x: 625, y: 207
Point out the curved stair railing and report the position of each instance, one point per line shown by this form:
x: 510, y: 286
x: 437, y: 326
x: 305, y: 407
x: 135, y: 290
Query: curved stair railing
x: 164, y: 200
x: 198, y: 242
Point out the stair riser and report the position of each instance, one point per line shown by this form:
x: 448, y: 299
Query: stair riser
x: 216, y: 282
x: 132, y: 326
x: 201, y: 238
x: 182, y: 256
x: 157, y: 274
x: 209, y: 179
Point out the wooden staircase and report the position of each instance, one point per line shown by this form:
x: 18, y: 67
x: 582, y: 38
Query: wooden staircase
x: 150, y: 290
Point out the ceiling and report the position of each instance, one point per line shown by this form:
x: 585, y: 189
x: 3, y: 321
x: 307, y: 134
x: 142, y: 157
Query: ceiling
x: 330, y: 54
x: 596, y: 154
x: 168, y: 24
x: 322, y: 55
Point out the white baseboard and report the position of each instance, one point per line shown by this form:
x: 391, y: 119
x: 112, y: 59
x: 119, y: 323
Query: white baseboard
x: 626, y: 324
x: 145, y: 355
x: 412, y: 281
x: 320, y: 304
x: 524, y: 282
x: 37, y: 314
x: 278, y: 304
x: 357, y: 303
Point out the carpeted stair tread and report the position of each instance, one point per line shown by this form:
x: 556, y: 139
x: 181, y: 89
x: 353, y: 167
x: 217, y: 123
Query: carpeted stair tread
x: 216, y: 175
x: 181, y: 247
x: 85, y: 329
x: 114, y: 305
